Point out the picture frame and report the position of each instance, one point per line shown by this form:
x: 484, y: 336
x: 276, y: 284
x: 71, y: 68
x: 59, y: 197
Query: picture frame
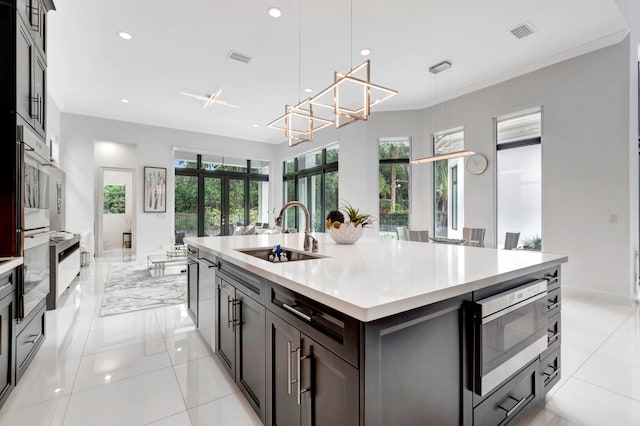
x: 155, y: 190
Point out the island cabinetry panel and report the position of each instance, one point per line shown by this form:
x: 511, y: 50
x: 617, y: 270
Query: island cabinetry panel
x: 7, y: 334
x: 336, y: 331
x: 306, y: 383
x: 207, y: 298
x: 414, y: 369
x: 240, y: 337
x: 192, y: 283
x: 507, y: 403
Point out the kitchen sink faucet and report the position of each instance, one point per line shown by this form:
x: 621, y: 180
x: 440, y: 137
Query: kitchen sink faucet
x: 310, y: 243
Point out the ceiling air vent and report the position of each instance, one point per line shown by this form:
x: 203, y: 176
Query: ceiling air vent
x: 524, y: 30
x: 240, y: 57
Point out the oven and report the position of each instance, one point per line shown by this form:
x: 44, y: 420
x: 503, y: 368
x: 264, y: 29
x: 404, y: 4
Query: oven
x: 509, y: 330
x: 34, y: 286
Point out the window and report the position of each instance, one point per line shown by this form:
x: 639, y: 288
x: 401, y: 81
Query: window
x: 519, y: 178
x: 114, y: 199
x: 393, y: 184
x: 448, y: 184
x: 217, y: 195
x: 312, y: 179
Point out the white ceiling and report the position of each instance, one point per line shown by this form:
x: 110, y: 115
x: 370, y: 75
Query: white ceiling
x: 182, y: 46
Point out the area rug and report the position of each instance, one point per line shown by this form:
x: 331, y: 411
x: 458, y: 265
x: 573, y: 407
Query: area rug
x: 131, y: 287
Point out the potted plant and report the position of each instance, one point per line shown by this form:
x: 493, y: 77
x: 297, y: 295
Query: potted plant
x: 347, y: 231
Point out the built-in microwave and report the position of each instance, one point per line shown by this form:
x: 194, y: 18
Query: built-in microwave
x: 35, y: 185
x: 509, y: 330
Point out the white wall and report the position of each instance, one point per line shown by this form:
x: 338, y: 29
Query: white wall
x: 585, y: 161
x: 630, y: 10
x: 154, y: 147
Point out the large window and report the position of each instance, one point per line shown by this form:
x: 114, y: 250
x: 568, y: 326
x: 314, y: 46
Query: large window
x: 519, y: 178
x: 393, y: 184
x: 312, y: 179
x: 448, y: 190
x: 217, y: 195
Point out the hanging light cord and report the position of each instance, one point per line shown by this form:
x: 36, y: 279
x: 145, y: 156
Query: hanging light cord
x: 351, y: 36
x: 299, y: 52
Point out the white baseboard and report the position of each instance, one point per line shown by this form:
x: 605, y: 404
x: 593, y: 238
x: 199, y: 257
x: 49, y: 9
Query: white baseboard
x: 597, y: 294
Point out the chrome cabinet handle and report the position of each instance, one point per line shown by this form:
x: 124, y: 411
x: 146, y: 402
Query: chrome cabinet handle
x: 36, y: 101
x: 553, y: 306
x: 554, y: 337
x: 289, y: 382
x: 34, y: 26
x: 551, y: 376
x: 229, y: 309
x: 207, y: 263
x: 299, y: 380
x: 515, y: 407
x: 297, y: 312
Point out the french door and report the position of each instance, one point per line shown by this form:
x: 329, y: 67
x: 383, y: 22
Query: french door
x: 224, y: 205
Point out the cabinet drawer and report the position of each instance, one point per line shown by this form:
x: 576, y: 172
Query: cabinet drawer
x: 29, y: 340
x: 510, y: 400
x: 553, y: 334
x: 7, y: 283
x: 250, y: 284
x: 332, y: 329
x: 553, y: 301
x: 549, y: 371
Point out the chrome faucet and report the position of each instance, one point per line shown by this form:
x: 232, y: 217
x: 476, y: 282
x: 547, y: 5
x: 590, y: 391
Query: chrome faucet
x: 310, y: 243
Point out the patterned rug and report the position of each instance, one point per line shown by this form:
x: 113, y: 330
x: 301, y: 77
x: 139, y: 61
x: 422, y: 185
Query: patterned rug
x: 131, y: 287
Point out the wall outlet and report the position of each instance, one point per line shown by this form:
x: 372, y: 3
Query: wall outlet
x: 613, y: 218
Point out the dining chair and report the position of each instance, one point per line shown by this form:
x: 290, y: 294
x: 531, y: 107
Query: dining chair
x: 473, y: 236
x: 401, y: 231
x: 422, y: 236
x: 511, y: 240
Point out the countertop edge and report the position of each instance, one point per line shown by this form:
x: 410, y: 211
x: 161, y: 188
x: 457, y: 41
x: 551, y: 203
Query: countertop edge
x: 13, y: 262
x: 368, y: 314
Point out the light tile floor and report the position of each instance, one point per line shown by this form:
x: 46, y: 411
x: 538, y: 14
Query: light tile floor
x: 151, y: 368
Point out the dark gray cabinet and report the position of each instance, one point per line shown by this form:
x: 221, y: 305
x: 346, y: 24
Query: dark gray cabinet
x: 33, y: 14
x: 7, y: 334
x: 207, y: 298
x: 31, y: 77
x: 307, y: 384
x: 240, y: 338
x: 192, y: 284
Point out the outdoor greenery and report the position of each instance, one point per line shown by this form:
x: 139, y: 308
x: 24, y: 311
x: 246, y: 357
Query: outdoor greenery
x: 393, y: 183
x: 114, y: 199
x: 441, y: 179
x: 186, y: 202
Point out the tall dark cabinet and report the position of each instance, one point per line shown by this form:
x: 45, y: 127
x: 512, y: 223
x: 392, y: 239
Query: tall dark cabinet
x: 23, y: 98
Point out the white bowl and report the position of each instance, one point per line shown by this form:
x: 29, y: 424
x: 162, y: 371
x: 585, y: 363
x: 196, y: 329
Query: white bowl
x: 346, y: 234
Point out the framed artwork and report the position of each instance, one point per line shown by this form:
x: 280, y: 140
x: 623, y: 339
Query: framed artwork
x: 155, y: 190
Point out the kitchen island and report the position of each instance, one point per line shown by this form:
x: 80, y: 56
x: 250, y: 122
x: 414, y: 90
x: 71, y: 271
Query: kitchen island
x: 380, y: 332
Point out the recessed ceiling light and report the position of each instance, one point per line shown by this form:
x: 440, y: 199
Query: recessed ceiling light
x: 58, y: 390
x: 308, y: 90
x: 365, y: 52
x: 274, y: 12
x: 254, y: 125
x: 124, y: 101
x: 125, y: 35
x: 107, y: 377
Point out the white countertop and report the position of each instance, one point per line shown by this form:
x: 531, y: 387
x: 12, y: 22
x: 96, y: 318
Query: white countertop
x: 8, y: 263
x: 375, y: 278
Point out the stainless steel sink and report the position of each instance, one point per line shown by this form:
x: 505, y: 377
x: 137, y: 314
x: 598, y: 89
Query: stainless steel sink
x: 293, y: 255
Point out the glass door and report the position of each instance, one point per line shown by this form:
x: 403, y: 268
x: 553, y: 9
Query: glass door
x: 214, y: 218
x: 235, y: 205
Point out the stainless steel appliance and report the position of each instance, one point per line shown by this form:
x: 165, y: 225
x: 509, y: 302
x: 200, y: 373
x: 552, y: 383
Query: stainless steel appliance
x: 36, y: 180
x: 34, y: 285
x: 510, y: 329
